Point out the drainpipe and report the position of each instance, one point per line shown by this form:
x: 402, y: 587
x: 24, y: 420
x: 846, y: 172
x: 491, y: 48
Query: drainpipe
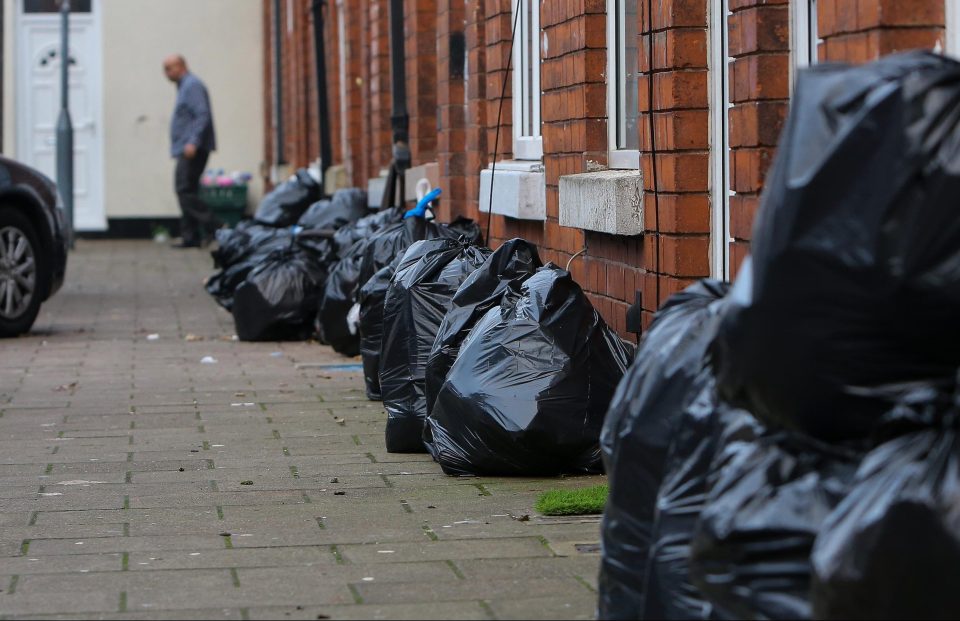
x: 400, y: 119
x: 323, y: 111
x: 279, y: 156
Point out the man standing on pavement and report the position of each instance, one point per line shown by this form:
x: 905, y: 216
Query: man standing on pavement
x: 191, y: 140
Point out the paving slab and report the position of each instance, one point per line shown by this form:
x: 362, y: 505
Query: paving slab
x: 138, y: 483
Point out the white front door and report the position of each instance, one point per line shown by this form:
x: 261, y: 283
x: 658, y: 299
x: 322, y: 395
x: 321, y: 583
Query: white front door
x: 38, y: 104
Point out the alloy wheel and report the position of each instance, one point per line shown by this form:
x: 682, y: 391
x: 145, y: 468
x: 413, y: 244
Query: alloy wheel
x: 18, y: 272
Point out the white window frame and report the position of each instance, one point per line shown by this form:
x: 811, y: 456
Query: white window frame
x: 952, y: 47
x: 804, y: 38
x: 618, y: 158
x: 527, y: 133
x: 720, y: 105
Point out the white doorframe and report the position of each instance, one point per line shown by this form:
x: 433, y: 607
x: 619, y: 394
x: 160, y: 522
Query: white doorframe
x: 953, y: 28
x: 97, y: 220
x: 720, y: 192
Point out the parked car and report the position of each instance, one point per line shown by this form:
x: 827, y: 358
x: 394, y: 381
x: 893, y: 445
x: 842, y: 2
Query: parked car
x: 34, y: 237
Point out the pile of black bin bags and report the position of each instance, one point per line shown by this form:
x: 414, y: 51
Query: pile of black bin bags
x: 789, y: 448
x: 490, y: 361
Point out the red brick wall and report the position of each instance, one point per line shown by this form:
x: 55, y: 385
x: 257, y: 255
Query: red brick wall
x: 759, y: 43
x: 379, y: 86
x: 356, y: 122
x: 454, y: 117
x: 867, y: 29
x: 451, y: 106
x: 420, y: 25
x: 299, y: 109
x: 476, y: 122
x: 677, y: 198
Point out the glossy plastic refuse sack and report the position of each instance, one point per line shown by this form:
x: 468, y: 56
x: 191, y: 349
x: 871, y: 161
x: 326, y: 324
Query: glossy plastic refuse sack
x: 856, y: 249
x: 891, y: 550
x: 279, y: 298
x: 346, y: 207
x: 419, y: 296
x: 343, y: 283
x: 380, y: 258
x: 284, y: 205
x: 528, y: 393
x: 318, y: 226
x: 248, y: 250
x: 667, y: 374
x: 510, y: 264
x: 768, y: 501
x: 705, y: 425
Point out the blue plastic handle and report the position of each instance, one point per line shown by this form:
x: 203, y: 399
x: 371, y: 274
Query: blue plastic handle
x: 421, y: 209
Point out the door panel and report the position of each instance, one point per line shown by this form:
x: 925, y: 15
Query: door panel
x: 38, y: 106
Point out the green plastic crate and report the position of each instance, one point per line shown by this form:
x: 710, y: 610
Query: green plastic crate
x: 228, y: 203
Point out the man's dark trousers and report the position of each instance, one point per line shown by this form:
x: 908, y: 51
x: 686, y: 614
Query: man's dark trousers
x: 197, y: 215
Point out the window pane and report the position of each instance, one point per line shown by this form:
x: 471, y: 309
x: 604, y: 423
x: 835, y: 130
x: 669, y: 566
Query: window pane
x: 53, y: 6
x: 628, y: 70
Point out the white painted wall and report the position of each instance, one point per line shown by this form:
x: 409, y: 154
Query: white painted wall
x: 223, y: 43
x: 8, y: 103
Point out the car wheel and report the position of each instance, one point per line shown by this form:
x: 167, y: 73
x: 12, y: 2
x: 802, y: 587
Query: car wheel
x: 21, y: 273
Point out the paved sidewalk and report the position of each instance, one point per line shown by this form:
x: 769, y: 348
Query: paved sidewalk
x: 137, y: 482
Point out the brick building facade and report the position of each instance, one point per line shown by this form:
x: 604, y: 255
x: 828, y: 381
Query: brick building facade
x: 686, y: 97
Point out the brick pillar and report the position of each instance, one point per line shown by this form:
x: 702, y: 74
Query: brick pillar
x: 354, y: 118
x: 379, y: 92
x: 680, y: 108
x: 420, y: 25
x: 759, y: 91
x: 868, y: 29
x: 574, y: 110
x: 452, y: 106
x: 476, y: 137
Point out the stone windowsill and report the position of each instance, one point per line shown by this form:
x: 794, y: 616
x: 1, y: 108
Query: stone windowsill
x: 609, y: 201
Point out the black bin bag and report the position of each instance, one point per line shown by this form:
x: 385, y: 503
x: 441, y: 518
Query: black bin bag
x: 380, y: 258
x: 891, y: 550
x: 666, y: 376
x: 284, y: 205
x: 278, y: 300
x: 252, y: 247
x: 420, y: 294
x: 768, y: 499
x: 346, y: 207
x: 343, y: 283
x: 705, y: 425
x: 511, y: 263
x: 319, y: 225
x: 528, y: 393
x: 856, y: 249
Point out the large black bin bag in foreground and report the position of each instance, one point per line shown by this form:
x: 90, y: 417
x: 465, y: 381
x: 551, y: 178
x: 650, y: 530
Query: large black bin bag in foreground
x: 891, y: 550
x: 750, y: 552
x: 640, y: 425
x: 511, y: 263
x: 419, y: 297
x: 529, y: 390
x: 856, y: 251
x: 288, y: 201
x: 278, y: 300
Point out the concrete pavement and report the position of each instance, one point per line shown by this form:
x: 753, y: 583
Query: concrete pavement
x: 138, y: 482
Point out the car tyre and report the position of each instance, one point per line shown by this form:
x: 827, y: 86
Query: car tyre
x: 24, y: 275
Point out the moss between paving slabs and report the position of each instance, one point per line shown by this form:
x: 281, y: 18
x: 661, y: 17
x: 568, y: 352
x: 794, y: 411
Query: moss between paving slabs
x: 586, y: 501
